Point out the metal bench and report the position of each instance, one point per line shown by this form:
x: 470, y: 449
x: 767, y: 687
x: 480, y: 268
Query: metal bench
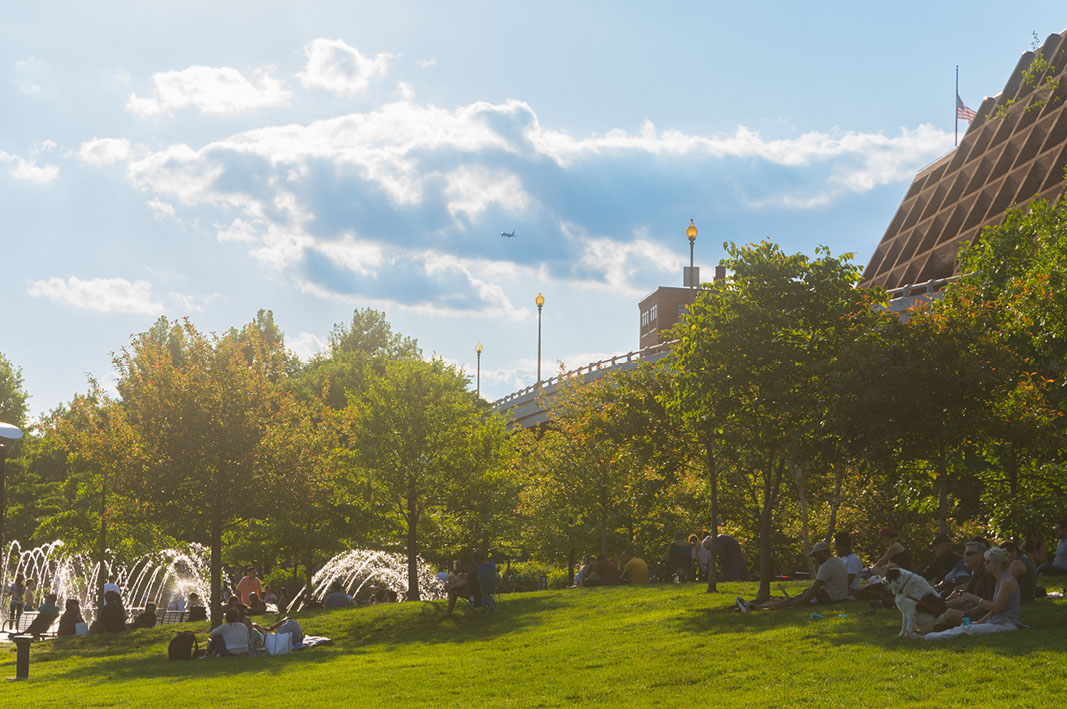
x: 20, y: 626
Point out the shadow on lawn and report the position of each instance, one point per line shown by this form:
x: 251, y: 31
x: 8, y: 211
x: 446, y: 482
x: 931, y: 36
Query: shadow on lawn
x: 865, y: 626
x: 353, y: 632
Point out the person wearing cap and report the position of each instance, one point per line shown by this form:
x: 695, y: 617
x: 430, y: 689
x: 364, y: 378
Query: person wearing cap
x: 830, y: 586
x: 945, y: 559
x: 895, y: 553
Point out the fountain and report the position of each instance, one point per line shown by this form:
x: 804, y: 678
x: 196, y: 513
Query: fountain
x: 361, y: 568
x: 159, y: 578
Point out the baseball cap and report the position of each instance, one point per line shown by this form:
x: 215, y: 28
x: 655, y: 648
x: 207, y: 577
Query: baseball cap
x: 819, y: 546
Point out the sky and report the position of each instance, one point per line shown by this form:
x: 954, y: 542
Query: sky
x: 211, y: 159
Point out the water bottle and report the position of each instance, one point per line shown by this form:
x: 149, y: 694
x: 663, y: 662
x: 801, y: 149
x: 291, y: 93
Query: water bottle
x: 966, y: 620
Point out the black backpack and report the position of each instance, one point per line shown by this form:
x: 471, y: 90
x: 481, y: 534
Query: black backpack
x: 184, y: 646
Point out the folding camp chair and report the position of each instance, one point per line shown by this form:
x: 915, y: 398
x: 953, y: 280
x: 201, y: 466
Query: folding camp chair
x: 484, y: 603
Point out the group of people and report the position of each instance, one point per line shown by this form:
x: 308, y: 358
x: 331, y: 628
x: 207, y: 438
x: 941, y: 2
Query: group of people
x: 238, y: 635
x: 982, y: 590
x: 690, y: 558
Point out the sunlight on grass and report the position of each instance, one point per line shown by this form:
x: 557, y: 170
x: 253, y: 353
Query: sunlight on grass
x: 659, y: 645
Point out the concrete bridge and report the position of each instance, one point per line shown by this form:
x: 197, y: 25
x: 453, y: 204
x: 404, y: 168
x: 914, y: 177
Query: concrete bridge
x: 523, y: 408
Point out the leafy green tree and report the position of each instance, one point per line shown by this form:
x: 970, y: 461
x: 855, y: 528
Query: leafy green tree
x: 13, y: 396
x: 420, y: 440
x: 750, y: 363
x: 199, y: 408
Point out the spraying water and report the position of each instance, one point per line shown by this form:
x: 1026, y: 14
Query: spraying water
x: 160, y: 577
x: 361, y: 569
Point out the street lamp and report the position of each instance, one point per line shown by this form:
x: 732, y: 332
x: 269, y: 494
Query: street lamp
x: 540, y: 300
x: 12, y: 433
x: 478, y: 349
x: 691, y: 232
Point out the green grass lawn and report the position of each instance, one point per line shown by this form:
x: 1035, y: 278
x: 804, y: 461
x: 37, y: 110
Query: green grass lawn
x: 657, y: 645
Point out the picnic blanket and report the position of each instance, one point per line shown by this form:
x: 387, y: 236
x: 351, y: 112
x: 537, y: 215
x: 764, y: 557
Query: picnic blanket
x: 311, y: 641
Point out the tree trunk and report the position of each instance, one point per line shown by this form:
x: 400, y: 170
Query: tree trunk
x: 798, y: 478
x: 771, y: 480
x: 216, y: 575
x: 713, y: 553
x: 603, y: 535
x: 102, y: 576
x: 413, y: 544
x: 835, y: 503
x: 942, y: 493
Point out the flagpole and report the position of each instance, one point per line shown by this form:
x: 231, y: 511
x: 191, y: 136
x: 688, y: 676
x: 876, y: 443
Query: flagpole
x: 956, y: 98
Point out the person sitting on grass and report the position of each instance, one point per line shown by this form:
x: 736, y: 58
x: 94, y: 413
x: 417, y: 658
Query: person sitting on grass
x: 587, y: 572
x: 72, y: 615
x: 256, y: 606
x: 830, y: 586
x: 231, y: 638
x: 634, y: 570
x: 1058, y: 565
x: 1001, y: 613
x: 1035, y: 547
x: 147, y: 619
x: 269, y: 596
x: 336, y: 598
x: 467, y: 585
x: 113, y: 615
x: 679, y: 558
x: 964, y: 600
x: 945, y: 560
x: 607, y: 573
x: 1024, y: 571
x: 197, y: 611
x: 896, y: 556
x: 853, y: 566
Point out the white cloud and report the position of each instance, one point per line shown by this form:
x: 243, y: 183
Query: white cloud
x: 105, y: 295
x: 360, y: 257
x: 470, y: 189
x: 427, y: 63
x: 29, y: 170
x: 306, y: 345
x: 335, y: 66
x: 105, y: 151
x: 186, y: 303
x: 211, y: 90
x: 161, y: 210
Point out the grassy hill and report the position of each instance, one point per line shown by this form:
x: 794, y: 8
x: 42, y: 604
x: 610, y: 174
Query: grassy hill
x: 658, y: 645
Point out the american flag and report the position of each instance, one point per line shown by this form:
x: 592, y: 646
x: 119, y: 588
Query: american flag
x: 962, y: 111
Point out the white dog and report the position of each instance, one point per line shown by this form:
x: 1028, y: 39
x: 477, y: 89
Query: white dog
x: 919, y: 604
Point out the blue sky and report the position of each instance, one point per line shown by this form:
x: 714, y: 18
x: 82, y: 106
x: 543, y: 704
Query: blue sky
x: 211, y: 159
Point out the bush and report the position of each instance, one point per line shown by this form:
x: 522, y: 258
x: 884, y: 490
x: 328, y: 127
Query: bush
x: 525, y: 575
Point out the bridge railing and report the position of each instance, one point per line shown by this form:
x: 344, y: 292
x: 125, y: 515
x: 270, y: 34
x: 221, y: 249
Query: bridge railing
x: 617, y: 360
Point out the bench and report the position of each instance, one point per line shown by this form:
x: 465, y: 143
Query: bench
x: 22, y: 625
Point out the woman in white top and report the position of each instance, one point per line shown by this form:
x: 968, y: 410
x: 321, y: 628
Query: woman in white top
x: 236, y: 636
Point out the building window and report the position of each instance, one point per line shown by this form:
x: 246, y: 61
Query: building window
x: 652, y: 313
x: 644, y: 319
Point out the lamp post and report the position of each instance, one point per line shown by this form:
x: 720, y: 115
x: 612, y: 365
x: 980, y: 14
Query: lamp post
x: 691, y: 232
x: 478, y: 349
x: 540, y: 300
x: 12, y: 433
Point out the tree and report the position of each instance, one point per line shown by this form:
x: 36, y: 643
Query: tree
x: 13, y: 394
x: 420, y: 439
x: 750, y: 360
x: 199, y: 407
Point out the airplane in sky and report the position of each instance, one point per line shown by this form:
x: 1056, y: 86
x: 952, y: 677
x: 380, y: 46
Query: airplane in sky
x: 507, y: 235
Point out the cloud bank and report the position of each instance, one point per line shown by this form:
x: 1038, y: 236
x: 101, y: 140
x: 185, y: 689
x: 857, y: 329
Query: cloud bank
x: 402, y: 203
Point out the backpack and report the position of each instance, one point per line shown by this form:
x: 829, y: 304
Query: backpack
x: 183, y: 646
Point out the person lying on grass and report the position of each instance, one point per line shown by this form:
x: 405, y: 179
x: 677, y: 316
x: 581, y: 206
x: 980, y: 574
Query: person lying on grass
x: 285, y: 625
x: 831, y: 584
x: 1002, y: 612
